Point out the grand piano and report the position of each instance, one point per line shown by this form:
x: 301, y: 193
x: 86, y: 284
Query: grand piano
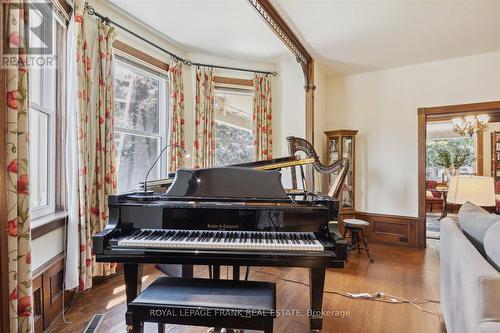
x: 234, y: 216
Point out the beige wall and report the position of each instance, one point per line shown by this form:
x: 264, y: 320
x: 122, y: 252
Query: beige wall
x: 383, y: 105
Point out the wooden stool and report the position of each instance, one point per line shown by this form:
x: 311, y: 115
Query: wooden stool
x: 356, y: 227
x: 204, y: 302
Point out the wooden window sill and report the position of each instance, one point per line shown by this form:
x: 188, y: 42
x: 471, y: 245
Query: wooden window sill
x: 45, y: 224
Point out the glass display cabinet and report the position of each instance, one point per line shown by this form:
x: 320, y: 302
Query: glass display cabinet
x: 341, y: 143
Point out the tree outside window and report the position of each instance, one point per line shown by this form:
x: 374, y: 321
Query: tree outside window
x: 450, y: 156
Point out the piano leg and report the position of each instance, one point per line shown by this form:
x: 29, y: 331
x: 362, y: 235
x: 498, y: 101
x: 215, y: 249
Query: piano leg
x: 316, y: 287
x: 236, y: 272
x: 216, y: 272
x: 133, y: 284
x: 187, y: 271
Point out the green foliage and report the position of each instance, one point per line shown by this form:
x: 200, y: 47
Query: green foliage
x: 450, y: 153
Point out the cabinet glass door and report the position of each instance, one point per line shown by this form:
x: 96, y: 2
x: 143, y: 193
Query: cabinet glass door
x: 348, y: 188
x: 333, y: 155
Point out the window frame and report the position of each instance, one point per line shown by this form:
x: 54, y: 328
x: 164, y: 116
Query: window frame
x: 47, y: 78
x: 242, y: 87
x: 133, y: 64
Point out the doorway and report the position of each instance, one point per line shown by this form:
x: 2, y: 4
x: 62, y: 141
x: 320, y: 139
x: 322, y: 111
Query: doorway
x: 435, y: 132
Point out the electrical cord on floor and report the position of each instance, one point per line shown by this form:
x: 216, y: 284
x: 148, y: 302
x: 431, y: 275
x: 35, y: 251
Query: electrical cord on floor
x: 377, y: 297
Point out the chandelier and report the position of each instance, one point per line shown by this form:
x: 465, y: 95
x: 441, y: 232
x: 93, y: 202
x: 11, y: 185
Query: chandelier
x: 470, y: 124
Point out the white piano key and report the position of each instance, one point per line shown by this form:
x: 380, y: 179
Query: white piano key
x: 223, y: 240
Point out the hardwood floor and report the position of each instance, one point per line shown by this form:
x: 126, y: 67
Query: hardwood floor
x: 400, y: 271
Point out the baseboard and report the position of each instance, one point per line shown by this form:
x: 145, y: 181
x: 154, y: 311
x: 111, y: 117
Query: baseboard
x: 391, y: 229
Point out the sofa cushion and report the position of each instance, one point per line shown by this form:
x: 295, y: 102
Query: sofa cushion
x: 492, y: 245
x: 489, y: 298
x: 475, y: 221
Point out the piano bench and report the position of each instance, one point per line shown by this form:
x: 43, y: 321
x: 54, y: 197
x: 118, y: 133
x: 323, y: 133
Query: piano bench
x: 205, y: 302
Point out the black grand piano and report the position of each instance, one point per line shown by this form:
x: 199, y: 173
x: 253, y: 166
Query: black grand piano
x: 234, y: 216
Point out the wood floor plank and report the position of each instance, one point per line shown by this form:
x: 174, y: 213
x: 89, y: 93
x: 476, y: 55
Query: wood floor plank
x: 400, y: 271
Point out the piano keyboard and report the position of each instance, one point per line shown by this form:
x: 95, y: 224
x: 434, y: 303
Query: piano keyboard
x: 222, y: 240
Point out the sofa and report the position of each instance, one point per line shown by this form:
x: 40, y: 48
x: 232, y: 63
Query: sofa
x: 469, y: 271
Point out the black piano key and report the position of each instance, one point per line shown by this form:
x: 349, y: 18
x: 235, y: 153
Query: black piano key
x: 183, y: 235
x: 302, y: 239
x: 169, y: 235
x: 153, y: 235
x: 174, y: 236
x: 142, y: 235
x: 306, y: 237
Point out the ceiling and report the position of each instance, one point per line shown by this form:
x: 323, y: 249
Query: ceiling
x: 227, y: 28
x: 348, y: 36
x: 357, y: 36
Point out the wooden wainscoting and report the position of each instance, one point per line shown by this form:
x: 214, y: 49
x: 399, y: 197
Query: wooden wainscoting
x: 391, y: 229
x: 48, y: 292
x: 38, y: 303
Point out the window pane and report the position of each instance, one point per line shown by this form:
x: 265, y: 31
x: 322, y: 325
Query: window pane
x: 135, y: 154
x: 443, y: 154
x: 232, y: 145
x: 35, y: 78
x: 39, y: 128
x: 136, y: 100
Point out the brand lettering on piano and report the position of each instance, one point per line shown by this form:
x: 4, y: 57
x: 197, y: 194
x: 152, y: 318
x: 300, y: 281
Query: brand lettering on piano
x: 223, y: 226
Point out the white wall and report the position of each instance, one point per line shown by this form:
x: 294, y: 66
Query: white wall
x: 289, y: 111
x: 320, y: 118
x: 383, y: 105
x: 46, y: 247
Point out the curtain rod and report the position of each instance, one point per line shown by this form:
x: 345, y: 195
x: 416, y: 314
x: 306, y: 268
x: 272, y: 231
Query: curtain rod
x: 92, y: 12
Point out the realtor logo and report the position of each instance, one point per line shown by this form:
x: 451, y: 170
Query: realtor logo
x: 39, y: 27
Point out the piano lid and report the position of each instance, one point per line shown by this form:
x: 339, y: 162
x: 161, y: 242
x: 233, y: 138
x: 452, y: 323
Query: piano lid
x: 227, y: 183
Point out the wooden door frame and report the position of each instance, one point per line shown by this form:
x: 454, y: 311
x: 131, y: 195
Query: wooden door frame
x: 423, y: 115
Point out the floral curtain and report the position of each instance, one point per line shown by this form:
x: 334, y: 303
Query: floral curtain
x: 18, y: 226
x: 204, y: 141
x: 177, y: 139
x: 262, y: 117
x: 95, y: 162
